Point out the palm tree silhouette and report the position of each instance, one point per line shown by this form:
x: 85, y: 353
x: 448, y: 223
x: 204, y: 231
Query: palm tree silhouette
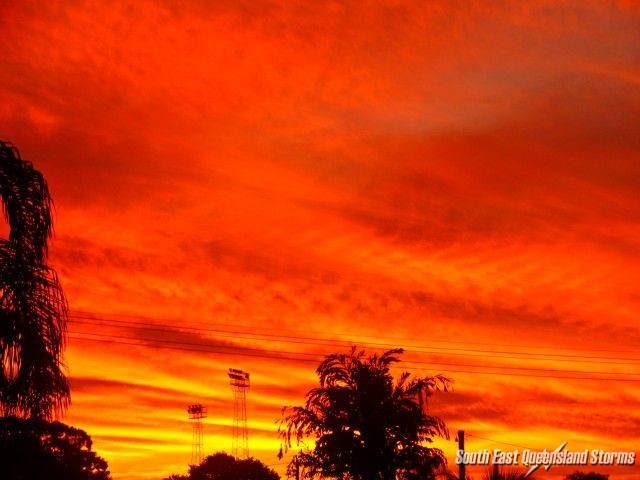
x: 33, y: 309
x: 366, y: 426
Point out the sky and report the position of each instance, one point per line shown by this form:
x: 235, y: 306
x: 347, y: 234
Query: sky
x: 257, y: 184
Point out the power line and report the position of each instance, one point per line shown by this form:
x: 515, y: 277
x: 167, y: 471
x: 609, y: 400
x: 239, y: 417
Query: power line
x: 450, y: 351
x: 92, y: 315
x: 283, y: 355
x: 305, y: 340
x: 407, y: 362
x: 301, y: 340
x: 113, y: 339
x: 497, y: 441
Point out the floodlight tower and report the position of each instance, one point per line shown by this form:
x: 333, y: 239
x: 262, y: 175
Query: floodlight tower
x: 196, y: 413
x: 239, y: 381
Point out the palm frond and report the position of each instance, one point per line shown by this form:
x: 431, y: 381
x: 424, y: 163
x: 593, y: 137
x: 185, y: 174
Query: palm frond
x: 33, y: 309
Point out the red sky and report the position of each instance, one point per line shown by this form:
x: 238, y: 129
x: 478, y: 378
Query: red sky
x: 459, y: 178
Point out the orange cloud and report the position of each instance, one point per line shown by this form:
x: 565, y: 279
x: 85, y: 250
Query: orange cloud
x: 269, y: 182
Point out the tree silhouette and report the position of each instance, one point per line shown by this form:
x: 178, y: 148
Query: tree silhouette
x: 492, y: 473
x: 578, y: 475
x: 34, y: 449
x: 33, y: 309
x: 222, y: 466
x: 498, y: 473
x: 365, y: 426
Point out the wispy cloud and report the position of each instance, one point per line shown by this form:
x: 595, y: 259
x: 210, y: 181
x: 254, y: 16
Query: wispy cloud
x: 400, y: 171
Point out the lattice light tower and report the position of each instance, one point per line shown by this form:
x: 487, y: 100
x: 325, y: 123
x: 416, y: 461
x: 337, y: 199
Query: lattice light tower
x: 239, y: 381
x: 196, y: 413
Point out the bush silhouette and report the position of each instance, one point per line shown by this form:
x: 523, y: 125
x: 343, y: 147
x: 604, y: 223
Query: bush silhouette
x: 221, y: 466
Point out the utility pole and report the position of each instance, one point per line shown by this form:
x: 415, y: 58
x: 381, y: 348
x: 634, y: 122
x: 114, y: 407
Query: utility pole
x: 461, y: 466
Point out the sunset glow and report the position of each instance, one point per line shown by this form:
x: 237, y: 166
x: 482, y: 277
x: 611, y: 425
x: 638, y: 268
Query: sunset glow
x: 258, y: 184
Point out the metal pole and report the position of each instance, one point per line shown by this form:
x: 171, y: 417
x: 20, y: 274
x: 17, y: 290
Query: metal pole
x: 461, y: 466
